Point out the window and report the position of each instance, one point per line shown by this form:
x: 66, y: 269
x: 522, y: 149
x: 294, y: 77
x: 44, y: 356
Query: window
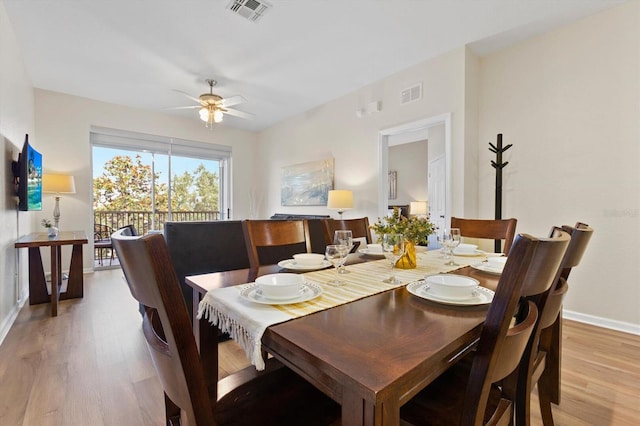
x: 147, y: 180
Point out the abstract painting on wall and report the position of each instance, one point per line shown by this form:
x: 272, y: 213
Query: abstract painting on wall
x: 307, y: 184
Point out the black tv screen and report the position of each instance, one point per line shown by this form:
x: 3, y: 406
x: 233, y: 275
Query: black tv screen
x: 27, y: 172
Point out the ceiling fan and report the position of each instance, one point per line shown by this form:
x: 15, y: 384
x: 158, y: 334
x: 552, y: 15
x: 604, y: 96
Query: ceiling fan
x: 212, y: 107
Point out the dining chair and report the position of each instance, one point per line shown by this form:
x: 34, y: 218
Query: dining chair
x: 270, y: 241
x: 542, y: 358
x: 481, y: 388
x: 359, y: 229
x: 275, y: 396
x: 495, y: 229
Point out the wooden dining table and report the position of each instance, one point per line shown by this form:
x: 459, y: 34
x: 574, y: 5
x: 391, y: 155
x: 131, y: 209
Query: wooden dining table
x: 370, y: 355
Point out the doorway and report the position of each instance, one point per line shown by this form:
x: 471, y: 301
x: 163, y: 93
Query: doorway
x: 411, y: 132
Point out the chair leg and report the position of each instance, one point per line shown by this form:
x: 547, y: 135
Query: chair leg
x: 171, y: 411
x: 545, y: 407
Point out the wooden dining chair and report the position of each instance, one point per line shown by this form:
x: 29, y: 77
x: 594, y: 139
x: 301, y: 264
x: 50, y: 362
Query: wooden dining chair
x: 503, y: 229
x: 359, y: 229
x: 275, y: 396
x: 270, y: 241
x: 542, y: 359
x: 481, y: 388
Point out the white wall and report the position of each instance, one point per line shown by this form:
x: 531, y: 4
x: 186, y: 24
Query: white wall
x: 16, y: 119
x: 568, y: 101
x: 410, y: 161
x: 62, y: 134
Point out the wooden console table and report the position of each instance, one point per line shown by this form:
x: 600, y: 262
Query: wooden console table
x: 37, y: 283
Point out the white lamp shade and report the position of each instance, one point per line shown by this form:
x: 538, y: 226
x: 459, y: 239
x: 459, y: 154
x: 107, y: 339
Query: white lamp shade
x: 340, y: 199
x: 58, y: 184
x: 418, y: 208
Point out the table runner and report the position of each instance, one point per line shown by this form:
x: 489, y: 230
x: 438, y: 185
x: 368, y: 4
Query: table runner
x: 246, y: 321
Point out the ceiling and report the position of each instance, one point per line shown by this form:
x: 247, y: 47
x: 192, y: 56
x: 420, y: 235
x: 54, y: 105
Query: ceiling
x: 298, y: 55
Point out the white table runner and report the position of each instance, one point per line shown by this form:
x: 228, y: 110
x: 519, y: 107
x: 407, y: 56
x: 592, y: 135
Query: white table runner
x: 246, y: 321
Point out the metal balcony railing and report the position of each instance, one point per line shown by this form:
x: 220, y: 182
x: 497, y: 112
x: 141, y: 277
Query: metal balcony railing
x: 145, y: 221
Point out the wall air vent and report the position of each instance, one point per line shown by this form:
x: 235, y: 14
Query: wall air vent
x: 249, y: 9
x: 411, y: 94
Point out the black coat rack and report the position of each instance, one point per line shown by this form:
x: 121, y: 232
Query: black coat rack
x: 498, y: 149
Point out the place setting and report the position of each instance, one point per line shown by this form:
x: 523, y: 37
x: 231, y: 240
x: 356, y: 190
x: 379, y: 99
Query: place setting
x: 492, y: 265
x: 451, y: 289
x: 305, y: 262
x: 280, y: 289
x: 372, y: 250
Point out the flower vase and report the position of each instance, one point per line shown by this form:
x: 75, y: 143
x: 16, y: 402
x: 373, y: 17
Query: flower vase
x: 408, y: 259
x: 52, y: 231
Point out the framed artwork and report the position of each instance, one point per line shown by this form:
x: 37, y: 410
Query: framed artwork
x: 393, y: 185
x: 307, y: 184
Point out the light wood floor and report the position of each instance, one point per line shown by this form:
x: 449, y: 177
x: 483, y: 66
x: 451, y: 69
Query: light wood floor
x: 90, y: 366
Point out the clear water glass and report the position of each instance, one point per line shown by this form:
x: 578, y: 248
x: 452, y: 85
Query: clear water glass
x: 343, y: 238
x: 393, y: 248
x: 336, y: 255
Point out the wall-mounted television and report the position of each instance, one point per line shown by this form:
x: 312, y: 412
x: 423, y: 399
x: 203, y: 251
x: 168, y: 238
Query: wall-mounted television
x: 27, y: 177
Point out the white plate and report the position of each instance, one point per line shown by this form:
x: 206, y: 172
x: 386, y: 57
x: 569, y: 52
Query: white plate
x: 469, y: 253
x: 368, y: 253
x: 421, y: 289
x: 309, y: 291
x: 484, y: 267
x: 291, y: 265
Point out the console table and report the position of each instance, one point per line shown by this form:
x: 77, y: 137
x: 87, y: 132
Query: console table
x: 37, y: 283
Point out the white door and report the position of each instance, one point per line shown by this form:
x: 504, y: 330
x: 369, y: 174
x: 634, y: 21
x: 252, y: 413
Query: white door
x: 436, y: 185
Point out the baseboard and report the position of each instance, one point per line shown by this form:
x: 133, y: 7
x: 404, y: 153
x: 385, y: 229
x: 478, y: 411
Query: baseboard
x: 10, y: 319
x: 625, y: 327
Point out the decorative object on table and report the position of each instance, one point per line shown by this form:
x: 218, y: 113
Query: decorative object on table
x: 58, y: 184
x: 307, y: 184
x: 52, y: 231
x: 498, y: 149
x: 393, y: 185
x: 340, y: 200
x: 415, y: 230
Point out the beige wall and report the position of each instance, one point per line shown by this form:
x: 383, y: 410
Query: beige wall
x: 16, y: 119
x: 410, y: 161
x: 333, y: 130
x: 568, y: 101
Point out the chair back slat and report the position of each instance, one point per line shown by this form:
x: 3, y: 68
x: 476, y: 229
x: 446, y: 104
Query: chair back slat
x: 580, y: 235
x: 494, y: 229
x: 274, y: 233
x: 359, y: 228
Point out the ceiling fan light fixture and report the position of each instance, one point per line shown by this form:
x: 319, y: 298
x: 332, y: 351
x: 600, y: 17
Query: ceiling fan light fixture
x: 204, y: 114
x: 217, y: 116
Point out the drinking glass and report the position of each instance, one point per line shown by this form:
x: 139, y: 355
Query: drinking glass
x: 393, y: 248
x: 343, y: 238
x: 451, y: 240
x: 336, y: 255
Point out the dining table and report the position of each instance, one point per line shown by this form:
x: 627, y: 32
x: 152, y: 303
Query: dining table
x: 369, y: 345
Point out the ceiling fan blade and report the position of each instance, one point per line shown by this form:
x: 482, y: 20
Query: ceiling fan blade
x: 186, y: 107
x: 237, y: 113
x: 233, y: 100
x: 188, y: 96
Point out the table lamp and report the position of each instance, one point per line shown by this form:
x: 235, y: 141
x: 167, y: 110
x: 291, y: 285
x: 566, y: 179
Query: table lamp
x: 418, y: 208
x: 58, y: 184
x: 340, y: 200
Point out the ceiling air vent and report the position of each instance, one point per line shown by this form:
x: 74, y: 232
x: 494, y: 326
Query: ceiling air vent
x: 249, y: 9
x: 411, y: 94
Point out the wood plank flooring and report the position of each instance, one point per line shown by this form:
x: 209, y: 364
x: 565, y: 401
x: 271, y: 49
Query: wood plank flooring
x: 90, y: 366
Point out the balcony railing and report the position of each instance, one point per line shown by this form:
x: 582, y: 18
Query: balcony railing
x: 145, y: 221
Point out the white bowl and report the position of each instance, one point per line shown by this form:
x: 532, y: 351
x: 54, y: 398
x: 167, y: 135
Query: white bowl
x: 280, y: 286
x: 374, y: 248
x: 308, y: 259
x: 452, y: 286
x: 466, y: 248
x: 496, y: 262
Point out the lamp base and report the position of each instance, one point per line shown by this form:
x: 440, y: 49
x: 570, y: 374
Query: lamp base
x: 56, y: 213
